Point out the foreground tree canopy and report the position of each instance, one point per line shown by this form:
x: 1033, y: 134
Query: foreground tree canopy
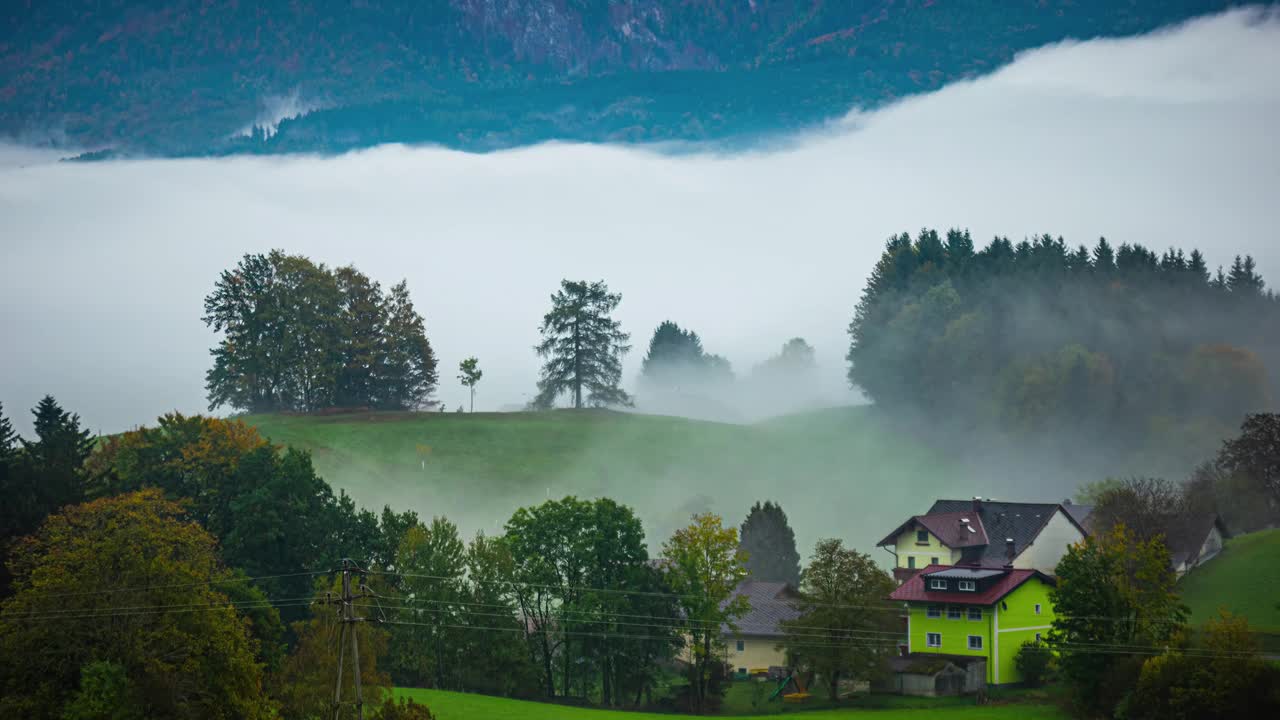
x: 119, y: 597
x: 1036, y: 336
x: 300, y: 336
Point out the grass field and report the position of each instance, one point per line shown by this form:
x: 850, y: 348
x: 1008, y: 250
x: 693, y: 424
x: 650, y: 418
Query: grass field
x: 1242, y: 579
x: 462, y: 706
x: 841, y: 472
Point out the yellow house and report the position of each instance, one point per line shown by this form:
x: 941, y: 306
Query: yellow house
x: 756, y: 643
x: 1031, y: 536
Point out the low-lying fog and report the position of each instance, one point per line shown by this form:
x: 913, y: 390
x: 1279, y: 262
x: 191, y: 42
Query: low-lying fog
x: 1167, y: 140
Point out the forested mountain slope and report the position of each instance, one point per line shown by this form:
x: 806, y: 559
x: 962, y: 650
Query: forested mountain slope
x: 186, y: 76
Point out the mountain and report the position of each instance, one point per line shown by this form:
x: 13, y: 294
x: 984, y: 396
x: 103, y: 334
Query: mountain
x: 199, y: 76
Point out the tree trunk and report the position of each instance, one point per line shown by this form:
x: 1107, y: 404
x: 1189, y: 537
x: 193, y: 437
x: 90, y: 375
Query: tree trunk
x: 473, y: 398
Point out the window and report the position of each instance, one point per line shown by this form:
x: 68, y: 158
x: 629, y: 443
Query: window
x: 933, y: 561
x: 937, y: 584
x: 741, y: 646
x: 1037, y: 608
x: 968, y: 585
x: 742, y: 671
x: 933, y: 639
x: 933, y: 611
x: 922, y: 537
x: 953, y: 613
x: 975, y: 613
x: 975, y: 642
x: 911, y: 562
x: 1004, y: 605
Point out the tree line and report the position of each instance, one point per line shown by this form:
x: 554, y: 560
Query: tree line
x: 300, y: 336
x: 1120, y: 346
x: 198, y: 542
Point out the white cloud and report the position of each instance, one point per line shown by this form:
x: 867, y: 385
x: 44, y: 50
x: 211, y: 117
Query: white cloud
x: 1165, y: 140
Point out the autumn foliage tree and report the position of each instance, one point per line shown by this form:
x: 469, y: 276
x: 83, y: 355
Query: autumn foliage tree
x: 1114, y: 591
x: 703, y: 565
x: 125, y: 590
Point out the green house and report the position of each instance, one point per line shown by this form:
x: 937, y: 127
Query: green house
x: 976, y: 612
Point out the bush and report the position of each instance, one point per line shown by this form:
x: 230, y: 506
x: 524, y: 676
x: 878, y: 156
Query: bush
x: 403, y: 709
x: 1224, y: 677
x: 1034, y: 662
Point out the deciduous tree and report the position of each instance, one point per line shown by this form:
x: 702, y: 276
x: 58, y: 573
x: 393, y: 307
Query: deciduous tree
x: 1117, y: 592
x: 703, y: 566
x: 469, y: 375
x: 844, y: 620
x: 104, y: 582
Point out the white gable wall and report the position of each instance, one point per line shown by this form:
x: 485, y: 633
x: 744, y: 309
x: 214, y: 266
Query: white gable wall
x: 1050, y: 545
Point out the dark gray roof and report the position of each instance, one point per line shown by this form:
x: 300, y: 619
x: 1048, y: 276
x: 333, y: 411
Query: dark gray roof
x: 1186, y: 536
x: 770, y: 604
x: 1020, y: 521
x: 1079, y: 513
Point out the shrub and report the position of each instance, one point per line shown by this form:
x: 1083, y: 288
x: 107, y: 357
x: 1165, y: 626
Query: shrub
x: 1034, y: 662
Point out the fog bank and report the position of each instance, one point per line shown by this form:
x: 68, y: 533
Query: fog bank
x: 1167, y: 140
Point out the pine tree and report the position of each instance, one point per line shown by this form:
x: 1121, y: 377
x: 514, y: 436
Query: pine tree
x: 55, y: 457
x: 1104, y: 258
x: 362, y: 342
x: 8, y: 441
x: 1197, y: 267
x: 583, y: 346
x: 770, y: 545
x: 676, y: 356
x: 411, y: 363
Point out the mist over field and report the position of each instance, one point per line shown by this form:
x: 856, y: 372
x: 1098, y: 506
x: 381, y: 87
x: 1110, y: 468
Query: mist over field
x: 1167, y: 139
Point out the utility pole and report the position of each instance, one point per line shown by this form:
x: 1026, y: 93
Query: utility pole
x: 347, y: 620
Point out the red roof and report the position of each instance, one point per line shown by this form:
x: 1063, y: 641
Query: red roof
x: 949, y: 527
x: 915, y: 589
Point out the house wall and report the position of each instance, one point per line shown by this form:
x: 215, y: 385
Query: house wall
x: 923, y: 552
x: 955, y: 633
x: 1050, y: 545
x: 758, y: 652
x: 1004, y: 627
x: 1212, y: 545
x: 1016, y: 622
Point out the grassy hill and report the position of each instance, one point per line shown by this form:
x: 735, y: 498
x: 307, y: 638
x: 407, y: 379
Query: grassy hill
x: 453, y: 706
x: 1241, y: 579
x: 844, y: 472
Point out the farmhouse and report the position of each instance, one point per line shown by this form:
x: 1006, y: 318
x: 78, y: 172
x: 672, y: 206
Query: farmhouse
x: 754, y: 645
x: 976, y: 612
x: 1195, y: 540
x: 985, y: 533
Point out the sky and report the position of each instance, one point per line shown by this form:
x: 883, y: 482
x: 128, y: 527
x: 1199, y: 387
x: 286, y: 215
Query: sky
x: 1167, y: 140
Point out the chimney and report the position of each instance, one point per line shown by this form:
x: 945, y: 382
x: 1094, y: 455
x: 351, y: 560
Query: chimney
x: 977, y: 504
x: 1009, y: 553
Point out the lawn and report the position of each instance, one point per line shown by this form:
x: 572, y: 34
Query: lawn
x: 1241, y: 579
x: 477, y: 469
x: 462, y: 706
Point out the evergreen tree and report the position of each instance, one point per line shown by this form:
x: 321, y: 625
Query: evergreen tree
x: 676, y: 357
x: 51, y: 466
x: 583, y: 346
x: 411, y: 375
x: 362, y: 339
x: 1104, y: 258
x: 1197, y: 267
x: 8, y: 441
x: 770, y: 545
